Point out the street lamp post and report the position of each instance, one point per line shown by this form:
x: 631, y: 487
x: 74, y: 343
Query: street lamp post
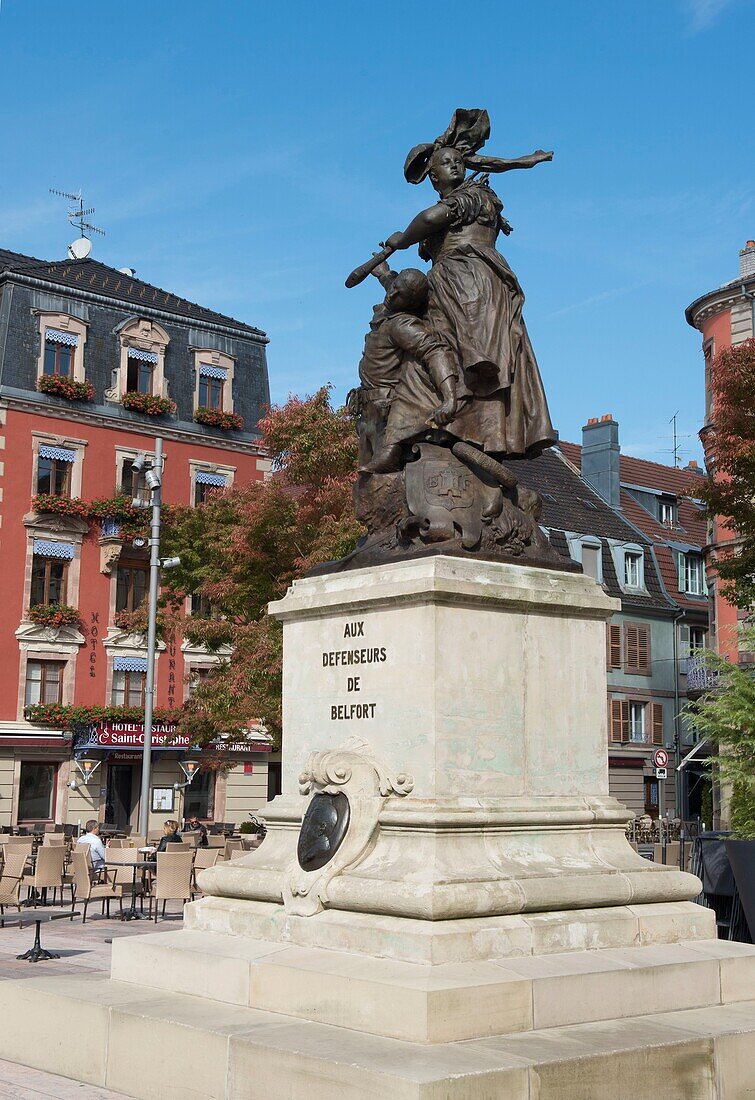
x: 153, y: 475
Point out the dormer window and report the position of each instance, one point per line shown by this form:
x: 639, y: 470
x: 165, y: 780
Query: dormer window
x: 633, y: 569
x: 667, y: 512
x: 59, y: 352
x: 140, y: 371
x: 692, y: 574
x: 212, y: 381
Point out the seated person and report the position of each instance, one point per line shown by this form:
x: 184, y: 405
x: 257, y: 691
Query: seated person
x: 96, y: 847
x: 170, y: 835
x: 194, y: 825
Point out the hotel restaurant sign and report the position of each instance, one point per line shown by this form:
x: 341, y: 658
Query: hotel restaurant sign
x: 129, y: 736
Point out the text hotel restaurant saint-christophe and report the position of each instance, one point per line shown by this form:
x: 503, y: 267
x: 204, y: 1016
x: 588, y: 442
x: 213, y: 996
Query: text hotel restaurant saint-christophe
x: 353, y: 658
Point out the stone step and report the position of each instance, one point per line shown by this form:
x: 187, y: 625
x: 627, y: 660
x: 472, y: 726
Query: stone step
x: 444, y: 1003
x: 154, y: 1045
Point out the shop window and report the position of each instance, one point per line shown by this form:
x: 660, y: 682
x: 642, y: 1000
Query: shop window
x: 54, y: 466
x: 129, y: 683
x: 44, y: 682
x: 132, y: 582
x: 199, y: 796
x: 60, y: 352
x: 140, y: 371
x: 36, y: 794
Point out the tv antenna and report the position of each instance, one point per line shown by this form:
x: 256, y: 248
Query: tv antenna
x: 672, y: 421
x: 79, y: 249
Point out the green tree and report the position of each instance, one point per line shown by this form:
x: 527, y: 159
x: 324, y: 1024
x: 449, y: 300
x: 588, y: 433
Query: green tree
x: 242, y: 548
x: 726, y: 714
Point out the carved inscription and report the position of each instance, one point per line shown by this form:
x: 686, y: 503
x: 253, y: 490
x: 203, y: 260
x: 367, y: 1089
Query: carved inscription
x: 348, y: 657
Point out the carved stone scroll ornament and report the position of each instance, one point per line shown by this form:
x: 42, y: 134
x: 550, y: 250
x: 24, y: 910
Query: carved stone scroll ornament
x: 348, y: 788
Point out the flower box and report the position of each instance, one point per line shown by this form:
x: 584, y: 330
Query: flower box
x: 49, y: 504
x: 54, y: 614
x: 67, y: 717
x: 216, y: 418
x: 61, y: 386
x: 148, y: 403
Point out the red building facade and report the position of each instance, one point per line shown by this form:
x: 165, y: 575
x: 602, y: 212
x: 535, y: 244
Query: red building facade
x: 725, y: 318
x: 94, y: 364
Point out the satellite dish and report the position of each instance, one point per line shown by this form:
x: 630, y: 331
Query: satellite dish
x: 80, y: 249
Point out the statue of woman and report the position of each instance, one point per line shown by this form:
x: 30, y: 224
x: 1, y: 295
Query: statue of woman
x: 475, y: 298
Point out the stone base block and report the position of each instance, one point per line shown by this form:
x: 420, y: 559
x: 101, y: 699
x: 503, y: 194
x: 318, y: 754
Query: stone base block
x: 456, y: 941
x: 445, y: 1003
x: 154, y: 1045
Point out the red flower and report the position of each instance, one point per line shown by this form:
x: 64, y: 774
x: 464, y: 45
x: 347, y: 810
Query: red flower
x: 148, y: 403
x: 62, y: 386
x: 216, y: 418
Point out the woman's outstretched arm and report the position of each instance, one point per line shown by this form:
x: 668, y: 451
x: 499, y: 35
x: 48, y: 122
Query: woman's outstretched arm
x: 426, y: 224
x: 497, y: 164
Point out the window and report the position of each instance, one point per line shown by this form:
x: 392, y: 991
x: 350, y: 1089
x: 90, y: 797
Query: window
x: 132, y: 481
x: 199, y: 796
x: 132, y: 583
x: 691, y: 575
x: 697, y: 636
x: 54, y: 465
x: 60, y: 349
x: 591, y: 560
x: 198, y: 676
x: 633, y: 569
x: 206, y: 482
x: 667, y: 513
x: 128, y: 688
x: 614, y: 645
x: 36, y: 795
x: 637, y: 649
x: 210, y: 390
x: 48, y: 581
x: 637, y: 732
x: 54, y: 477
x: 44, y: 682
x: 139, y: 374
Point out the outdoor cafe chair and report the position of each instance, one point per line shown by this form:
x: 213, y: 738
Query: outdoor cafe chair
x: 173, y: 879
x: 232, y: 847
x: 47, y: 873
x: 205, y: 857
x: 124, y: 878
x: 10, y: 883
x: 54, y: 840
x: 118, y: 842
x: 88, y: 890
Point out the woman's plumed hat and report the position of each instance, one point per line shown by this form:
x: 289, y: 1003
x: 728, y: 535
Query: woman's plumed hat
x: 468, y: 131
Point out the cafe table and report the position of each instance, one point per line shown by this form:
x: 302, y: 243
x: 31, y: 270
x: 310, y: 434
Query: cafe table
x: 37, y: 916
x: 137, y: 865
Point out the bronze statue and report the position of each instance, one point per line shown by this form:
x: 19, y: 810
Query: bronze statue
x: 449, y: 382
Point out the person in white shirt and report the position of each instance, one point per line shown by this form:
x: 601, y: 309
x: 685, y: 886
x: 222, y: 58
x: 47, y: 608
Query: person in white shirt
x: 97, y: 848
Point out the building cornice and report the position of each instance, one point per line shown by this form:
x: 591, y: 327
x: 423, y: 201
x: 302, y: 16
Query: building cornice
x: 102, y: 420
x: 138, y: 310
x: 715, y: 301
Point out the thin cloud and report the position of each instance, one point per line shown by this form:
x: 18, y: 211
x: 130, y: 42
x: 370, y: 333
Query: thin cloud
x: 703, y: 13
x: 587, y: 303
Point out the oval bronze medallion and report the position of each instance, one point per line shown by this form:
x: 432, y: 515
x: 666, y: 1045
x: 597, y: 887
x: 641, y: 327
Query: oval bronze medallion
x: 322, y: 830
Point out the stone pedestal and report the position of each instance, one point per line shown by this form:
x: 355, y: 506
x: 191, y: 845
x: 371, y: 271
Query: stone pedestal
x: 480, y: 927
x: 473, y: 695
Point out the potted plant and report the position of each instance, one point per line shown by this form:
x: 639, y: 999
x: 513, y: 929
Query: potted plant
x: 216, y: 418
x: 61, y: 386
x: 726, y: 715
x: 54, y: 614
x: 48, y: 503
x: 148, y: 403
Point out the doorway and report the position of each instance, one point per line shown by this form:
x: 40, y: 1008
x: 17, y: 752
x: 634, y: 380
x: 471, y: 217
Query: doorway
x: 652, y: 801
x: 120, y: 795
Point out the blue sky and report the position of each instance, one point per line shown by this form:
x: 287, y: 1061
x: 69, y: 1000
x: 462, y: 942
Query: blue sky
x: 248, y: 155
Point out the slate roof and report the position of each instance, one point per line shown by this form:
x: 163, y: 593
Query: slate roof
x: 99, y: 278
x: 570, y: 504
x: 690, y: 530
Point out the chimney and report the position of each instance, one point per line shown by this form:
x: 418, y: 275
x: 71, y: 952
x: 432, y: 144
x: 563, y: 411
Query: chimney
x: 600, y: 457
x: 692, y: 467
x: 747, y: 260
